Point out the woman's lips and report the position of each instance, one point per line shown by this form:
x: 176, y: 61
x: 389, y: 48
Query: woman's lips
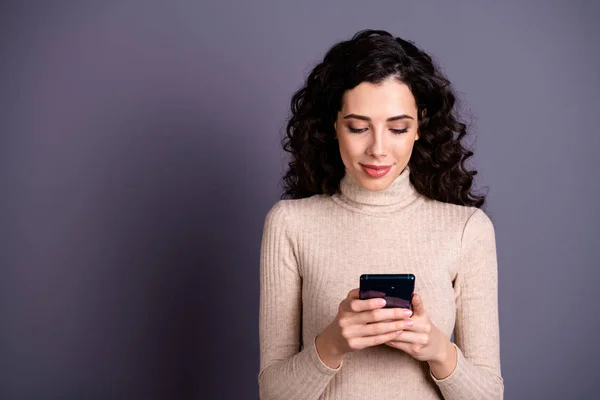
x: 376, y: 171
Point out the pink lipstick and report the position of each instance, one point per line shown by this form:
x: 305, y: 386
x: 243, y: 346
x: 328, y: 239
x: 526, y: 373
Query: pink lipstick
x: 376, y: 171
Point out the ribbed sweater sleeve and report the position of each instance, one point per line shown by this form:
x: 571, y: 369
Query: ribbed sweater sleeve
x: 477, y: 374
x: 285, y: 371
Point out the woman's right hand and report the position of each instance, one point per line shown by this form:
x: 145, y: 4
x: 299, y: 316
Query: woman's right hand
x: 357, y: 325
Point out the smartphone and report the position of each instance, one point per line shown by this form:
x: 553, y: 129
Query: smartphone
x: 396, y: 289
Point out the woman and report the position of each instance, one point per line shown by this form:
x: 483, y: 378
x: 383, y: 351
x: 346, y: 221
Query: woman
x: 377, y: 183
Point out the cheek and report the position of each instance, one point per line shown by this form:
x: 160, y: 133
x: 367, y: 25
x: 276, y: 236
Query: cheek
x: 405, y: 147
x: 349, y: 148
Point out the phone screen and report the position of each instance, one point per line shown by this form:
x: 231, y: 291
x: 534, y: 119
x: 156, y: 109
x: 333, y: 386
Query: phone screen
x: 396, y: 289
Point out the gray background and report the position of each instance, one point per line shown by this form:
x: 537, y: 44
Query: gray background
x: 139, y: 154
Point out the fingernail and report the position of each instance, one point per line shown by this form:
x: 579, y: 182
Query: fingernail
x: 381, y: 302
x: 408, y: 313
x: 398, y: 332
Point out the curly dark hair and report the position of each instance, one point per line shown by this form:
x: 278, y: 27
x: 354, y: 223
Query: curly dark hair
x: 437, y: 163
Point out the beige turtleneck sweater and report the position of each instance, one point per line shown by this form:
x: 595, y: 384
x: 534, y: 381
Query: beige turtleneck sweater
x: 312, y: 254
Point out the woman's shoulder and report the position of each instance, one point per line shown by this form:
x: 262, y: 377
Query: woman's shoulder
x: 460, y: 216
x: 293, y: 211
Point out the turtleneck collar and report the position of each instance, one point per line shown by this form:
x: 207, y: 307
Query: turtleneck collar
x: 395, y: 197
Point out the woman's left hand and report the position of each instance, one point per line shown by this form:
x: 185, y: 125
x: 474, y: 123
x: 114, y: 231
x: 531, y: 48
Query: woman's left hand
x: 423, y: 340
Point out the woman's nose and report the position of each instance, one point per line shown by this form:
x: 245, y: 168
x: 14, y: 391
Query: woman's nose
x: 377, y: 147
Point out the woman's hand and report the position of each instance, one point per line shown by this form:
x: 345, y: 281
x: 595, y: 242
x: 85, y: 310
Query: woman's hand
x: 360, y: 324
x: 425, y: 342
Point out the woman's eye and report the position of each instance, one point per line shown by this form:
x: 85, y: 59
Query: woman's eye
x: 356, y: 130
x: 361, y: 130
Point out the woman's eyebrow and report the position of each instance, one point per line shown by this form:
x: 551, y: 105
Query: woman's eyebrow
x: 364, y: 118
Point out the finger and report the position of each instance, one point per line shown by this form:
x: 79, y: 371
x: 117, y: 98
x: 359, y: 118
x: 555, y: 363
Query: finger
x: 382, y: 314
x: 370, y: 341
x: 412, y: 338
x: 379, y: 328
x: 419, y: 326
x: 417, y: 304
x: 357, y: 305
x: 405, y: 347
x: 353, y: 294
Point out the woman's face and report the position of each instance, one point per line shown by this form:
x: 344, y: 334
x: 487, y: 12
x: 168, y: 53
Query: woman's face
x: 376, y: 130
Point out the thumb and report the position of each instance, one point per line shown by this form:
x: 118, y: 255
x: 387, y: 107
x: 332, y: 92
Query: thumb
x: 417, y: 304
